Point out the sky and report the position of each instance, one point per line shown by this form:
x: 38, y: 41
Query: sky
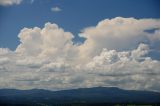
x: 73, y: 17
x: 66, y: 44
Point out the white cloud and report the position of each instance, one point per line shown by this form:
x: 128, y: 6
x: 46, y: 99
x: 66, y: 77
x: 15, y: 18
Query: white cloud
x: 118, y: 33
x: 9, y: 2
x: 55, y: 67
x: 108, y: 57
x: 124, y: 70
x: 56, y: 9
x: 51, y: 41
x: 4, y: 60
x: 4, y: 51
x: 115, y: 53
x: 142, y: 50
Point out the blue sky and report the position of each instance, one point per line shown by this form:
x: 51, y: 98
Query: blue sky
x: 74, y: 15
x: 121, y: 46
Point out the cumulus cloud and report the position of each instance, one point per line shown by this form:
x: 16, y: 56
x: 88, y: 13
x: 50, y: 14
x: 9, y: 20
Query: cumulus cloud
x: 51, y: 41
x: 4, y: 51
x: 56, y: 9
x: 3, y: 60
x: 117, y: 33
x: 109, y: 57
x: 9, y: 2
x: 115, y: 53
x: 142, y: 50
x: 124, y: 70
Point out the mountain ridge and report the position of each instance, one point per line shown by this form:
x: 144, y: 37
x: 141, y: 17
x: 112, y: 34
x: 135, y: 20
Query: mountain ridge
x: 80, y: 95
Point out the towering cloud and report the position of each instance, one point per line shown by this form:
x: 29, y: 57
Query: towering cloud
x: 49, y: 41
x: 115, y: 53
x: 119, y: 34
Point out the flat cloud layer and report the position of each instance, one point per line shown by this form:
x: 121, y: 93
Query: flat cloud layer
x: 115, y: 53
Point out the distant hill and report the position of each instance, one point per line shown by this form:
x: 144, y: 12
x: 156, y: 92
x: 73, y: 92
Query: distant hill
x: 82, y: 95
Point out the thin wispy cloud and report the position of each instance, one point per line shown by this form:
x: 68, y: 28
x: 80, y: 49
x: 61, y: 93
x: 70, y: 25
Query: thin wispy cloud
x: 56, y: 9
